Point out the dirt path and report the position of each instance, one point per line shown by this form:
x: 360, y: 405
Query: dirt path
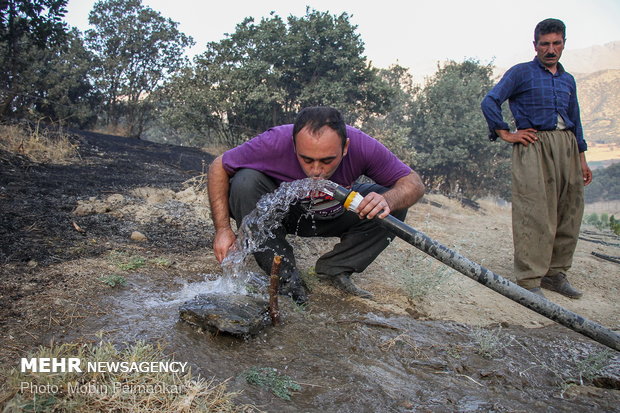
x: 432, y: 340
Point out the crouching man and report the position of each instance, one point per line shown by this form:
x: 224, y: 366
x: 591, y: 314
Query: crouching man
x: 319, y: 145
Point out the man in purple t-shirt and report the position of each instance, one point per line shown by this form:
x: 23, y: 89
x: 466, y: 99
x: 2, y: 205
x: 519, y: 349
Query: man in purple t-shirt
x: 319, y: 145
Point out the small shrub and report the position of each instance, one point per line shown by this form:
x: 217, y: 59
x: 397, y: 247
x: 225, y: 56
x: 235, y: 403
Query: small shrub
x: 114, y: 280
x: 133, y: 264
x: 161, y: 262
x: 591, y: 366
x: 279, y: 384
x: 489, y: 343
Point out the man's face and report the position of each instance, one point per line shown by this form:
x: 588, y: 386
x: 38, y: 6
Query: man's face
x: 549, y: 49
x: 319, y: 154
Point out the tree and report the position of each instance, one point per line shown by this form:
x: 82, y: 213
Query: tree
x: 605, y: 184
x: 26, y: 26
x: 450, y: 135
x: 394, y: 128
x: 135, y: 49
x: 62, y: 89
x: 264, y: 73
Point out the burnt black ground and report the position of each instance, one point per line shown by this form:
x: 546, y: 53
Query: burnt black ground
x: 37, y: 200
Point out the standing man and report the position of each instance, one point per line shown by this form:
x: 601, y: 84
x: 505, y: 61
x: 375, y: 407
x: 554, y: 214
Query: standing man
x: 549, y: 168
x: 319, y: 145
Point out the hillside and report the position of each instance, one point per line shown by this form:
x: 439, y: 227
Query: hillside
x: 431, y: 340
x: 592, y: 59
x: 599, y: 98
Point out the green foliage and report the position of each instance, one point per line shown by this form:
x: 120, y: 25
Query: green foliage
x: 614, y: 225
x: 449, y: 134
x: 605, y: 184
x: 133, y: 264
x: 264, y: 73
x: 394, y: 128
x: 60, y: 89
x: 135, y: 50
x: 603, y: 222
x: 114, y: 280
x: 279, y: 384
x: 26, y: 27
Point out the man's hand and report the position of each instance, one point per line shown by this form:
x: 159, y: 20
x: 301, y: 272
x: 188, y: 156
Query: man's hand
x: 522, y: 136
x: 222, y: 243
x: 405, y: 192
x: 372, y: 205
x: 585, y: 169
x: 218, y: 186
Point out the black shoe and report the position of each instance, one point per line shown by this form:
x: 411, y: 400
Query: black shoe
x: 292, y: 285
x: 560, y: 284
x: 537, y: 291
x: 343, y: 283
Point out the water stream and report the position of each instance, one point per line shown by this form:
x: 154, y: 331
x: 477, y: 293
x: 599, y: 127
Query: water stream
x: 258, y: 226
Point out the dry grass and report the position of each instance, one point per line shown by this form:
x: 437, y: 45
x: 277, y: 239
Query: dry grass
x: 114, y: 391
x: 38, y: 144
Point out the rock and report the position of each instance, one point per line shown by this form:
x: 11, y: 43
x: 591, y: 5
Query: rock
x: 138, y: 236
x: 234, y: 313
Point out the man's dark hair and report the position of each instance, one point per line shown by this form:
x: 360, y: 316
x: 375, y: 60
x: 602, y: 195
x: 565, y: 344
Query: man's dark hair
x: 318, y: 116
x: 549, y: 26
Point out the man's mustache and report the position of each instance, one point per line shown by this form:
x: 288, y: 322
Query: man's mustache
x: 551, y: 55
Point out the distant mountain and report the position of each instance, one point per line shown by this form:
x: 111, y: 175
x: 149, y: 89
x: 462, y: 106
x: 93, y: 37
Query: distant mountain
x: 592, y: 59
x: 599, y: 101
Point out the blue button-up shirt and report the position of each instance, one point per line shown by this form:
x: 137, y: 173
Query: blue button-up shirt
x: 536, y: 97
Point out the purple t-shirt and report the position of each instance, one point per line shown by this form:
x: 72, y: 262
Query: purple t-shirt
x: 273, y: 153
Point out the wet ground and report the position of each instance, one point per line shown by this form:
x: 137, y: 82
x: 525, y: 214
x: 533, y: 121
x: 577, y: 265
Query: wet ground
x: 349, y: 358
x: 347, y: 354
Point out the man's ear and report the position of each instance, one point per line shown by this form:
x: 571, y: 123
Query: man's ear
x: 346, y: 147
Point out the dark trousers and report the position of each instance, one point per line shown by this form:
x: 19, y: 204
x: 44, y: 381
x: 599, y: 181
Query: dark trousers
x: 361, y: 241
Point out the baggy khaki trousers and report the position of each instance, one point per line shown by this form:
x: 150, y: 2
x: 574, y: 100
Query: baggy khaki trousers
x: 547, y: 205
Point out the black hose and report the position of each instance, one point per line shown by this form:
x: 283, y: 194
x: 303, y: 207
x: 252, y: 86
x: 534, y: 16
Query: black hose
x: 494, y: 281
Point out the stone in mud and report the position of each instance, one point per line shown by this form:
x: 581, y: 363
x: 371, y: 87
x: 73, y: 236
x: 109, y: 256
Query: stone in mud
x: 234, y: 314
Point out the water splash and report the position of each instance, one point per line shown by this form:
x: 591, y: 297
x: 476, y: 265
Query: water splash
x: 258, y: 226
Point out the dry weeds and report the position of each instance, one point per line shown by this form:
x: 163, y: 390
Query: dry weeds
x: 37, y: 144
x: 118, y: 391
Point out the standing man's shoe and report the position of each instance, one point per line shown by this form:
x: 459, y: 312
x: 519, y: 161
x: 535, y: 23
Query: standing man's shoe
x: 560, y: 284
x: 343, y: 283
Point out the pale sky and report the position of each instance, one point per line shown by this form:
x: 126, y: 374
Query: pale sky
x: 416, y: 33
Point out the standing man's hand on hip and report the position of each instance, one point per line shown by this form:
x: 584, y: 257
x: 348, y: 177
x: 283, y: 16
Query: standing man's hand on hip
x: 522, y: 136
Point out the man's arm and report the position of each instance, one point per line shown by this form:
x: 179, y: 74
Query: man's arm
x: 491, y: 105
x: 404, y: 193
x: 218, y: 186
